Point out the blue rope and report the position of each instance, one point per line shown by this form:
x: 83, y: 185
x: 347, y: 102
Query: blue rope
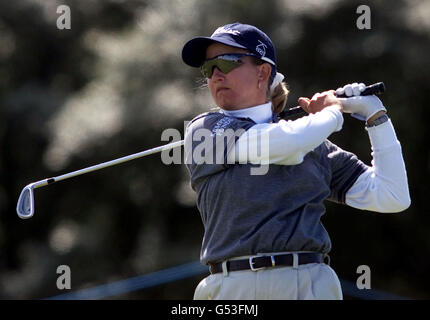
x: 136, y: 283
x: 189, y: 270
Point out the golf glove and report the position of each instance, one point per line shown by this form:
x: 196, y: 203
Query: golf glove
x: 360, y: 107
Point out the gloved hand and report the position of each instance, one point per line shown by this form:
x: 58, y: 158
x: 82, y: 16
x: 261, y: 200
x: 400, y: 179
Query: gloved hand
x: 360, y: 107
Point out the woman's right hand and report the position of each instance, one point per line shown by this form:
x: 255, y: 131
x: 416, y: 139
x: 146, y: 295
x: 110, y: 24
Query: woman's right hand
x: 320, y: 101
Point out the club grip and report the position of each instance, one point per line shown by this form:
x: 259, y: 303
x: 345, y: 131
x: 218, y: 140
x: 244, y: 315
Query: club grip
x: 376, y: 88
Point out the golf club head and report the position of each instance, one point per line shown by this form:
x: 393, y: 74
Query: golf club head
x: 25, y: 205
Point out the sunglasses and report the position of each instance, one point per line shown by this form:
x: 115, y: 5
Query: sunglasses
x: 224, y: 62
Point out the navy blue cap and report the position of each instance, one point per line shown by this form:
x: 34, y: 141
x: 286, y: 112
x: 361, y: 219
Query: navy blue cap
x: 237, y: 35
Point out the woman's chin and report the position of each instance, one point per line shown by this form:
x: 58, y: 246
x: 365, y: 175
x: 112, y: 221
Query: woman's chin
x: 224, y: 104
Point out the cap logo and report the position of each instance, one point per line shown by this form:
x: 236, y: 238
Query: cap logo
x: 226, y: 30
x: 261, y: 48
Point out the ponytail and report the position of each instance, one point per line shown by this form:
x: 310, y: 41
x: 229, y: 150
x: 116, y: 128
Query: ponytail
x: 279, y: 97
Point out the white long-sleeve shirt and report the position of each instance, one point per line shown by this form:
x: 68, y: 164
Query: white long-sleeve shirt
x: 383, y: 187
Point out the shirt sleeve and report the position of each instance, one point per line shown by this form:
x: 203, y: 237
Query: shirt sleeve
x: 345, y: 167
x: 286, y: 142
x: 383, y: 187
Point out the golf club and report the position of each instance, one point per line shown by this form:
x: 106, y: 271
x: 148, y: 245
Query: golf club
x: 25, y: 206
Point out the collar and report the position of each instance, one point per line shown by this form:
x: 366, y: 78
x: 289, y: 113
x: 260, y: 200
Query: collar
x: 259, y: 114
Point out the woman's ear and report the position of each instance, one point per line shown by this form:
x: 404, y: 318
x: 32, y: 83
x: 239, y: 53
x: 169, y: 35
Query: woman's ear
x: 264, y: 72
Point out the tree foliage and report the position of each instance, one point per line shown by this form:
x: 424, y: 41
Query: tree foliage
x: 111, y: 84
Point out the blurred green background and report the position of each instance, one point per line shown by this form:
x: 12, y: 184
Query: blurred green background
x: 110, y: 85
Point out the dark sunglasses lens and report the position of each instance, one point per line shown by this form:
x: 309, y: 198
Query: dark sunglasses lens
x: 206, y: 69
x: 225, y: 66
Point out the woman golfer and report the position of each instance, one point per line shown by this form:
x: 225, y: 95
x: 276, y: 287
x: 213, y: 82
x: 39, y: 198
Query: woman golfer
x: 261, y: 182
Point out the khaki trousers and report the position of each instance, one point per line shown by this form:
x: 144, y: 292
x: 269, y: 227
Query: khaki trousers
x: 314, y: 281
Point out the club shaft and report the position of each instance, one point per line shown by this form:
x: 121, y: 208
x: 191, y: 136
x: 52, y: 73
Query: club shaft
x: 106, y: 164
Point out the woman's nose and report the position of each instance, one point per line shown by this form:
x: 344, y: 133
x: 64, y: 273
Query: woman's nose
x: 217, y: 74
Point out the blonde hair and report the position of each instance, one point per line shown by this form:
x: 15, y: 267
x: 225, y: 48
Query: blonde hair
x: 278, y: 97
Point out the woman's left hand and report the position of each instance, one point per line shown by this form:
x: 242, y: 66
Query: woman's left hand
x: 319, y: 101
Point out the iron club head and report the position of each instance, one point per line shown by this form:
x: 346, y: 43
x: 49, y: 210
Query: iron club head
x: 25, y: 205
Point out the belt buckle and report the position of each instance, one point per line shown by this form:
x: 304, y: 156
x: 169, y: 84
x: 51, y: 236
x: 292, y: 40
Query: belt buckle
x: 251, y: 262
